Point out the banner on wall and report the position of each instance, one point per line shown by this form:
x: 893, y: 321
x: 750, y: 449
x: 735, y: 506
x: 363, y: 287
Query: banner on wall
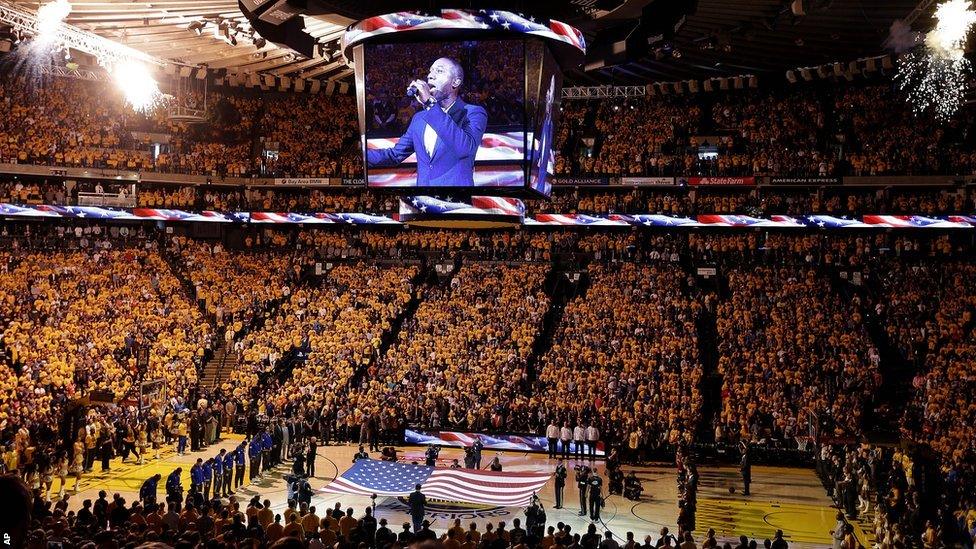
x: 805, y: 180
x: 521, y: 443
x: 319, y: 218
x: 112, y: 214
x: 647, y: 181
x: 488, y: 206
x: 658, y: 220
x: 274, y: 217
x: 833, y: 222
x: 580, y: 181
x: 721, y: 181
x: 303, y: 181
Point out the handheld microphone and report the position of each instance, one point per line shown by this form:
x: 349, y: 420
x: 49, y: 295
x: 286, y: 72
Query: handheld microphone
x: 412, y: 91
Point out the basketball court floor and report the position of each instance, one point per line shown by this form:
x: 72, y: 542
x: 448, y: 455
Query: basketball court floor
x: 782, y: 498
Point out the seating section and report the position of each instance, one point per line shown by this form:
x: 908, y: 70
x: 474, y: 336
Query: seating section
x: 461, y: 359
x: 792, y: 354
x: 341, y: 323
x: 235, y: 287
x: 75, y: 322
x: 944, y: 397
x: 626, y: 353
x: 760, y: 132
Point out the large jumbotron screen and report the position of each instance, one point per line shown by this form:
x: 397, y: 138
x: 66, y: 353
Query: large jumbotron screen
x: 490, y: 127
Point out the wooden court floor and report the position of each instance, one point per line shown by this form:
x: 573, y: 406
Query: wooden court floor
x: 790, y: 499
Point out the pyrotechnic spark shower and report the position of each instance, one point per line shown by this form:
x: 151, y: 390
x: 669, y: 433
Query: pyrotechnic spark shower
x: 137, y: 84
x: 49, y: 19
x: 934, y: 73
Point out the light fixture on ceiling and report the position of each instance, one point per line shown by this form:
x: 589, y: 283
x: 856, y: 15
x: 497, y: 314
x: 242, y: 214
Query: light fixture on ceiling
x: 197, y: 27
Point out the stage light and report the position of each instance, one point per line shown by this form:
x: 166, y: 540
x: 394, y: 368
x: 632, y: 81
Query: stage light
x: 138, y: 85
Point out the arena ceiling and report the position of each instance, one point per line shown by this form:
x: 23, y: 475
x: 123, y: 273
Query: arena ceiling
x: 721, y: 38
x: 733, y: 37
x: 162, y: 28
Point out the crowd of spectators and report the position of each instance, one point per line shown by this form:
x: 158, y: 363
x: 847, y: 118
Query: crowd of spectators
x: 899, y: 494
x: 643, y: 138
x: 793, y: 355
x: 461, y: 359
x: 338, y: 325
x: 625, y: 354
x: 79, y: 303
x: 852, y: 130
x: 311, y: 136
x: 848, y: 130
x: 78, y: 321
x: 676, y: 201
x: 945, y: 383
x: 235, y: 288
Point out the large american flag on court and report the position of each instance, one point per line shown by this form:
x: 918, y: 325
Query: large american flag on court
x: 387, y: 478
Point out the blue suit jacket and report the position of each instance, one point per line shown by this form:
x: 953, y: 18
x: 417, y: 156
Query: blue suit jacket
x: 459, y: 132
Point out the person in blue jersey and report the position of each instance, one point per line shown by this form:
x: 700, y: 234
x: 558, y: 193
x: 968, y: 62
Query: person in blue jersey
x: 207, y: 478
x: 218, y: 472
x: 147, y: 493
x: 174, y: 487
x: 239, y: 456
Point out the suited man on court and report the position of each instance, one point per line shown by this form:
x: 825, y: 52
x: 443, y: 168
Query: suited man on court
x: 561, y: 474
x: 418, y: 503
x: 445, y: 134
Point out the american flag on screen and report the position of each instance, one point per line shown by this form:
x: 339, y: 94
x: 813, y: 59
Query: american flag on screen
x: 716, y: 220
x: 464, y: 19
x: 487, y: 205
x: 917, y: 222
x: 385, y: 478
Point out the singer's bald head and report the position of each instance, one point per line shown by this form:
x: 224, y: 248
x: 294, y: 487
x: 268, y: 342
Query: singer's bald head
x: 445, y: 77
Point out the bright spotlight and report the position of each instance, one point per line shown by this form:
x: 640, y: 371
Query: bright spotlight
x: 49, y: 19
x: 138, y: 85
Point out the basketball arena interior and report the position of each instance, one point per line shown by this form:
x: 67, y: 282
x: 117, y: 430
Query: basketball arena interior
x: 581, y: 274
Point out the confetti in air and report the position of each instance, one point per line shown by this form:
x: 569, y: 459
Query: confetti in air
x: 32, y: 57
x: 934, y: 73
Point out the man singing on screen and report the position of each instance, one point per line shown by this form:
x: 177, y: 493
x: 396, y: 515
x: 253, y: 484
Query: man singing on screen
x: 445, y: 134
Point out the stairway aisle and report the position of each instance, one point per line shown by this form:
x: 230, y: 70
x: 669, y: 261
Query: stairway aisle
x: 561, y: 285
x: 711, y: 389
x: 213, y: 369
